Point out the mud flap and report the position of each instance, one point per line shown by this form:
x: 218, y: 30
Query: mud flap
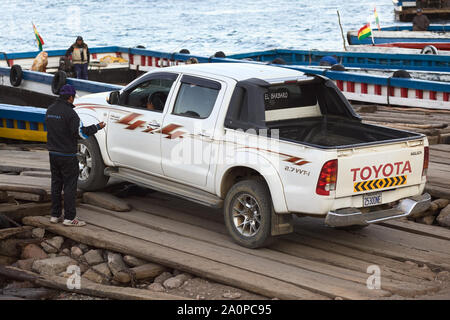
x: 281, y: 224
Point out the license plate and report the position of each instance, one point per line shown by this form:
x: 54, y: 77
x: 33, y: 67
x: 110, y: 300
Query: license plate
x: 372, y: 199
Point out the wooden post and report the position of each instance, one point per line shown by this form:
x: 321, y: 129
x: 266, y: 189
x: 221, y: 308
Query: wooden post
x: 342, y: 31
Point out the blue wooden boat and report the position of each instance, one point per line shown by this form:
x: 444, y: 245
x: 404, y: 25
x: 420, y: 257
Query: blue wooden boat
x: 366, y: 60
x: 437, y: 36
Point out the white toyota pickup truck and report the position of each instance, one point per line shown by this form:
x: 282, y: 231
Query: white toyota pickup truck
x: 262, y: 142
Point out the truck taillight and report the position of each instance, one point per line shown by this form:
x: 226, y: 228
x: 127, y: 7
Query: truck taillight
x: 327, y: 178
x: 426, y: 160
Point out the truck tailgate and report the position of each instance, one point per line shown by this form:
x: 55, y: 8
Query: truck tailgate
x: 379, y: 168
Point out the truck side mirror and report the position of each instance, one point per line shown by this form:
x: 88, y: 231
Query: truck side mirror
x: 113, y: 97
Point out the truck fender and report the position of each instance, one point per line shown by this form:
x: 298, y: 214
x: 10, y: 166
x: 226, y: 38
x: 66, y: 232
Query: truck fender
x: 89, y: 119
x: 269, y: 173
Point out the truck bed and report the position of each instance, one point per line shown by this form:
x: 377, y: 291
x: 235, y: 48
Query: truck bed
x: 333, y: 132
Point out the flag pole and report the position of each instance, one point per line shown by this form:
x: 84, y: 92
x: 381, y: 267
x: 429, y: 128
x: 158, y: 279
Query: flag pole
x: 342, y: 31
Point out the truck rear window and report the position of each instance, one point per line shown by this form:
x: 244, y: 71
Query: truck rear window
x: 290, y: 101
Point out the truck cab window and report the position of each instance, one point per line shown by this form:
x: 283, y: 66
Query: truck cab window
x: 195, y: 101
x: 150, y: 95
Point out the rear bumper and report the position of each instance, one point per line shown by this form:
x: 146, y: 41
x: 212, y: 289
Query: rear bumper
x: 352, y: 216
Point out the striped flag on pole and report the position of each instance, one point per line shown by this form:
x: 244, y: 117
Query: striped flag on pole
x: 39, y: 39
x: 377, y: 19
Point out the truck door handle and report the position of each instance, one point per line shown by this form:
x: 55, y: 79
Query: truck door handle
x: 154, y: 124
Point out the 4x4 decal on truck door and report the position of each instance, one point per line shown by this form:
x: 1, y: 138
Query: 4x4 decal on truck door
x: 167, y: 130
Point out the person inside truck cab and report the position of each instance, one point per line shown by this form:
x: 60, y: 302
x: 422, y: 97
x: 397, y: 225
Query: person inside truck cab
x: 156, y: 101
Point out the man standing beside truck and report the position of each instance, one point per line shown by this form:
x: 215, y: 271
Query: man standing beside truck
x: 64, y: 128
x: 80, y: 57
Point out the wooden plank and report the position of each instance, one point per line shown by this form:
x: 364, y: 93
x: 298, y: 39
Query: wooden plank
x: 201, y: 216
x: 31, y: 293
x: 26, y: 182
x: 418, y: 228
x: 87, y: 287
x: 18, y: 161
x: 206, y: 268
x: 437, y: 191
x: 321, y: 283
x: 440, y: 154
x: 9, y: 232
x: 398, y: 251
x: 440, y: 147
x: 395, y: 286
x: 440, y: 166
x: 18, y: 212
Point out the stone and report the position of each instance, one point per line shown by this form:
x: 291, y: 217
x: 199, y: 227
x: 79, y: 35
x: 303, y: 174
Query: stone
x: 93, y: 257
x: 184, y: 277
x: 52, y: 255
x: 83, y: 267
x: 53, y: 266
x: 32, y: 251
x: 173, y: 283
x: 66, y: 251
x: 52, y: 245
x: 83, y: 247
x: 106, y: 201
x: 231, y: 295
x: 338, y: 298
x: 156, y: 287
x: 76, y: 252
x: 26, y: 264
x: 95, y: 277
x: 443, y: 219
x: 133, y: 261
x: 163, y: 277
x: 38, y: 233
x: 428, y: 220
x: 115, y: 263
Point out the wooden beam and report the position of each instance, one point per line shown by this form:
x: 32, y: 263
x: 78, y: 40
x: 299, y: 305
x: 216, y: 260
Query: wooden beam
x: 87, y: 287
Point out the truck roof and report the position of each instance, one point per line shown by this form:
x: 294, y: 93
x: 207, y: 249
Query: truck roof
x: 238, y: 71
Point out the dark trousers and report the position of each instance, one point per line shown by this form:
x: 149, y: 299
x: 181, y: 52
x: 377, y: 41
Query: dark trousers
x: 81, y: 70
x: 65, y: 172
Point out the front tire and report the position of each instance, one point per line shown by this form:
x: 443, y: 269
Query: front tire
x: 248, y: 213
x: 91, y: 177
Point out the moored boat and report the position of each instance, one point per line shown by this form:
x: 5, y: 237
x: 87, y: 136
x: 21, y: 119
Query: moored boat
x: 437, y: 36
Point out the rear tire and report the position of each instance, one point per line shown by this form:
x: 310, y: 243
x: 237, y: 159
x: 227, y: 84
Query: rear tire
x: 248, y: 213
x: 92, y: 168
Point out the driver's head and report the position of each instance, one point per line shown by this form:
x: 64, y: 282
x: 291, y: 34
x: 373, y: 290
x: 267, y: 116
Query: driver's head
x: 156, y: 101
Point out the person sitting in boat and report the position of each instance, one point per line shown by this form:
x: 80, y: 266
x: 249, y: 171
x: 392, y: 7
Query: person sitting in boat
x: 80, y: 57
x: 420, y: 21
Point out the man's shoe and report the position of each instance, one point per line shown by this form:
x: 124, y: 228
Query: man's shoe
x: 57, y: 219
x: 74, y: 223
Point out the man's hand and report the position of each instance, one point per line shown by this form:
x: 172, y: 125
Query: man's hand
x: 101, y: 125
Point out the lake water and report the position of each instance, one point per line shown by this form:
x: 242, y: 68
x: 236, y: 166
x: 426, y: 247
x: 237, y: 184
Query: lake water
x: 202, y: 26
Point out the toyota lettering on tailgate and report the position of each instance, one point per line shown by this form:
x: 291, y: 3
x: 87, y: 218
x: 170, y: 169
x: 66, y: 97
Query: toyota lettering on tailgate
x: 381, y: 176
